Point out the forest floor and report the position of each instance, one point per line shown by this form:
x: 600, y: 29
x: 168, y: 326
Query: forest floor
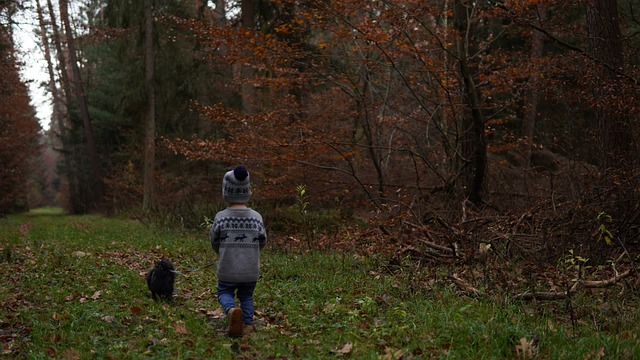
x: 74, y: 288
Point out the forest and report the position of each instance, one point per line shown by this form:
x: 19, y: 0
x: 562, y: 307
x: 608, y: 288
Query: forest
x: 437, y: 177
x: 431, y: 130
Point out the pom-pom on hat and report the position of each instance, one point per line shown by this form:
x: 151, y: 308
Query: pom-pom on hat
x: 236, y: 186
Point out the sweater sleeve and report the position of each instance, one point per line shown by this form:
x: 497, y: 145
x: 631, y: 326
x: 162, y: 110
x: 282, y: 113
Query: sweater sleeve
x: 214, y: 237
x: 262, y: 236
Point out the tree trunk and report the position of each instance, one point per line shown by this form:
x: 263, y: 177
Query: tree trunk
x: 614, y: 129
x: 369, y: 129
x: 96, y: 173
x: 532, y: 94
x: 66, y: 85
x: 57, y: 114
x: 150, y: 123
x: 75, y: 204
x: 220, y: 15
x: 58, y: 126
x: 247, y: 72
x: 474, y: 151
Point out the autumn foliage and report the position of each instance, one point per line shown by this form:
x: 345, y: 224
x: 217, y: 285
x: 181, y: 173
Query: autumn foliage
x: 409, y: 109
x: 367, y: 96
x: 19, y: 134
x: 413, y: 117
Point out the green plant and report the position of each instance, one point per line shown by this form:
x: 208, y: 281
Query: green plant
x: 603, y: 232
x: 302, y: 202
x: 302, y: 199
x: 574, y: 262
x: 207, y: 222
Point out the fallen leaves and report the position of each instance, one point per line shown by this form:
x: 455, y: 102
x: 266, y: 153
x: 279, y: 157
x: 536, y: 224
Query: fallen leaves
x: 11, y: 335
x: 135, y: 310
x: 25, y: 228
x: 180, y: 328
x: 58, y: 317
x: 217, y: 313
x: 109, y: 319
x: 106, y: 298
x: 70, y: 354
x: 82, y: 298
x: 393, y: 354
x: 346, y: 349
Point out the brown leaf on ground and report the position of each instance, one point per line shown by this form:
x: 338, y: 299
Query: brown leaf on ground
x: 25, y: 228
x: 346, y: 349
x: 70, y: 354
x: 393, y: 354
x: 51, y: 352
x: 217, y: 313
x: 136, y: 310
x: 180, y: 328
x: 57, y: 316
x: 203, y: 295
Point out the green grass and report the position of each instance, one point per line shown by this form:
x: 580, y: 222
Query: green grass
x: 73, y: 287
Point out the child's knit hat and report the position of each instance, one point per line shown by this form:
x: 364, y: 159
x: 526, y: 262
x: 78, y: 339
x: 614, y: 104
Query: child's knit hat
x: 236, y: 186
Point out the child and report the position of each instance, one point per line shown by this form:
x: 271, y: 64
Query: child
x: 237, y: 236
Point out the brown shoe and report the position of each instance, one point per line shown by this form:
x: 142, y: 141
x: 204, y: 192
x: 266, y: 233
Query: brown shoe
x: 235, y: 322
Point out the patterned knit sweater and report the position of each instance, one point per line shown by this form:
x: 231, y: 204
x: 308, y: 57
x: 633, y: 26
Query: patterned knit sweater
x: 238, y: 235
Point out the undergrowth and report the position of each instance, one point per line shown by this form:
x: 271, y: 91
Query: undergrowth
x: 73, y: 287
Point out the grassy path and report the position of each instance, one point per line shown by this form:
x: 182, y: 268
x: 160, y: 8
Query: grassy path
x: 73, y: 288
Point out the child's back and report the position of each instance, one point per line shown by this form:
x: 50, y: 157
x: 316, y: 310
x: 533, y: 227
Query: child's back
x: 237, y: 236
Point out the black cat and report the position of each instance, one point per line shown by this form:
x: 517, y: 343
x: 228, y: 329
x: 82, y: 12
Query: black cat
x: 160, y: 281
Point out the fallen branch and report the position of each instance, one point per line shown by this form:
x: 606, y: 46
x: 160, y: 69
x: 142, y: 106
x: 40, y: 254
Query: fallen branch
x: 465, y: 286
x: 448, y: 251
x: 435, y: 246
x: 555, y: 295
x: 607, y: 282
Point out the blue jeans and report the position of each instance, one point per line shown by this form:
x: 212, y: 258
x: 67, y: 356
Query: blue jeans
x: 227, y: 293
